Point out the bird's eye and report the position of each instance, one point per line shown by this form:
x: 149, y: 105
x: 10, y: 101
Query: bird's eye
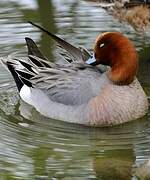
x: 101, y: 45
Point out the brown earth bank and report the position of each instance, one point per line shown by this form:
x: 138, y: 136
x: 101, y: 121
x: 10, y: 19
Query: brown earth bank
x: 134, y: 12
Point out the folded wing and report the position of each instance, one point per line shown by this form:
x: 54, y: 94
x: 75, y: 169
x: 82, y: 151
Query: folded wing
x: 78, y: 54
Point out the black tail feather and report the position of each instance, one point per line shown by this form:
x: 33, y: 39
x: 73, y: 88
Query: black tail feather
x: 26, y: 82
x: 16, y: 77
x: 35, y: 61
x: 39, y: 62
x: 26, y: 65
x: 24, y: 74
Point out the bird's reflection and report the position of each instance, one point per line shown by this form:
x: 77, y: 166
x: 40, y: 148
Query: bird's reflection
x: 114, y: 164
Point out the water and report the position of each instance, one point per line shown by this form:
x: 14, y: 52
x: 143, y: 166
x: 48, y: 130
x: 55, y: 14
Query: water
x: 41, y: 148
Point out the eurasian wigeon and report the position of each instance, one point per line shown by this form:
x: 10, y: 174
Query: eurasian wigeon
x: 78, y: 92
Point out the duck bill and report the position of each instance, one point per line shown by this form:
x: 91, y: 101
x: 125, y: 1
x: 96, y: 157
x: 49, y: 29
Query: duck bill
x: 91, y: 61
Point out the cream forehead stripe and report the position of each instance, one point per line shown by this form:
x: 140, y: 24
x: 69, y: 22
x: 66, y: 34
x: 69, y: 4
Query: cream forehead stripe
x: 101, y: 35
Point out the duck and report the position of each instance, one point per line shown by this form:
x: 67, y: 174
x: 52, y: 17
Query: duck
x: 99, y: 89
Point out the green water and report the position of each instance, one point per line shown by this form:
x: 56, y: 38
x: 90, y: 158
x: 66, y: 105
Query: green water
x: 35, y: 147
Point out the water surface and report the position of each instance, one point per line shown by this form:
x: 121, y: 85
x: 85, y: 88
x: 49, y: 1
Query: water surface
x: 35, y: 147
